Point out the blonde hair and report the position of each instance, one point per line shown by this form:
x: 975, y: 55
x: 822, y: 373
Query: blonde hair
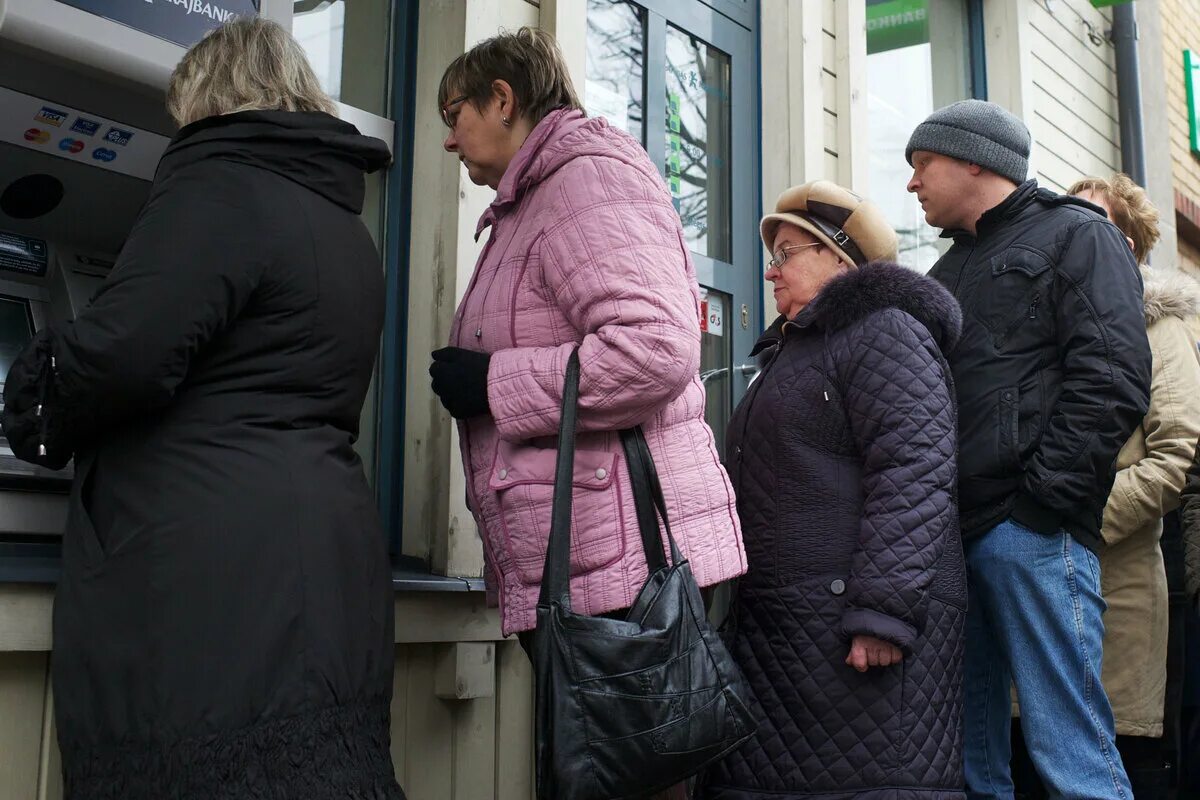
x: 249, y: 64
x: 1132, y: 211
x: 529, y: 60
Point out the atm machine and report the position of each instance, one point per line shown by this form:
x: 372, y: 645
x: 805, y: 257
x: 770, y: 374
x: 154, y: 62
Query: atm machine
x: 82, y: 127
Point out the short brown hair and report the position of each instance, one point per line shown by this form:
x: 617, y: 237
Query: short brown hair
x: 529, y: 60
x: 1132, y: 211
x: 249, y: 64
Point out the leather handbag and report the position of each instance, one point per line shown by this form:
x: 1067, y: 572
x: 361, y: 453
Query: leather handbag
x: 627, y: 707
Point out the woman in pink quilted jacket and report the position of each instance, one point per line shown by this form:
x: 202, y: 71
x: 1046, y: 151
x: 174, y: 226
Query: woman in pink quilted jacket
x: 585, y: 251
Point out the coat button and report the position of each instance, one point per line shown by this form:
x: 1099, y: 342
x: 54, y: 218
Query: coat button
x: 503, y: 474
x: 838, y: 586
x: 601, y: 474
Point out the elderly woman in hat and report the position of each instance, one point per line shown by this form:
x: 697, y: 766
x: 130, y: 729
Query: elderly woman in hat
x: 849, y: 622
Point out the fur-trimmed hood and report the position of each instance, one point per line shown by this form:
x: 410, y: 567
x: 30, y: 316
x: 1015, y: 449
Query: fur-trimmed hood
x: 873, y: 287
x: 1169, y: 294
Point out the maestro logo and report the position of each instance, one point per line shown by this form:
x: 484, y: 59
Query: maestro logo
x: 37, y: 136
x: 104, y: 154
x: 70, y: 145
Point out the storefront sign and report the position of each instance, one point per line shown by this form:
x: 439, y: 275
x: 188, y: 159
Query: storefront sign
x: 1103, y: 3
x: 183, y: 22
x: 892, y: 24
x: 1191, y: 77
x: 65, y: 132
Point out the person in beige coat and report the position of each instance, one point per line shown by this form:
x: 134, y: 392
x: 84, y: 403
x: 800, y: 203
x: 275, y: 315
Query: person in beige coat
x: 1152, y: 467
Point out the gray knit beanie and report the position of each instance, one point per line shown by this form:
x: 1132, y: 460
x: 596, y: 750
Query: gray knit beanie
x: 979, y: 132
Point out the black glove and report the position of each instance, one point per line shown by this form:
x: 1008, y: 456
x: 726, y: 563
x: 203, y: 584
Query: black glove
x: 460, y: 381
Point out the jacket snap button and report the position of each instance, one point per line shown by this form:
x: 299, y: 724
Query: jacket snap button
x: 838, y: 586
x: 503, y: 474
x: 601, y: 473
x: 1008, y: 395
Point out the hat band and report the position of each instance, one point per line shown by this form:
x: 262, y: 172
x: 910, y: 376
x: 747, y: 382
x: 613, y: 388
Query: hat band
x: 838, y: 236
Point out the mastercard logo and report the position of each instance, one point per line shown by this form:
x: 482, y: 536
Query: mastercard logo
x: 37, y: 136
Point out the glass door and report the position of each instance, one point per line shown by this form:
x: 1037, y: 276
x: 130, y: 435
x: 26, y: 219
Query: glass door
x: 679, y: 75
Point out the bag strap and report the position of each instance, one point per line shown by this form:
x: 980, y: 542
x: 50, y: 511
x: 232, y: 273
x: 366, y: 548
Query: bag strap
x: 556, y: 574
x: 648, y: 499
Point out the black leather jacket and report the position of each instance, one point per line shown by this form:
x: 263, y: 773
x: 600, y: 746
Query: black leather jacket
x: 1053, y: 368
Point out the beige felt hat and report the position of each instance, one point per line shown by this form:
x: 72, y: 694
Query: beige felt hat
x: 852, y: 227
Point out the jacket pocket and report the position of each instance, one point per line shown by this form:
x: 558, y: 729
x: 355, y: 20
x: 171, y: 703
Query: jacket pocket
x: 523, y: 481
x: 1008, y: 401
x: 1014, y: 296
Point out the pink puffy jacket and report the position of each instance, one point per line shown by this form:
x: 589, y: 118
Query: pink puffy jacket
x: 586, y: 251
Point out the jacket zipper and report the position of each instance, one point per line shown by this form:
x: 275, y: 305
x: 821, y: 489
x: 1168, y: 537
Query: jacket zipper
x: 750, y: 400
x: 1030, y: 313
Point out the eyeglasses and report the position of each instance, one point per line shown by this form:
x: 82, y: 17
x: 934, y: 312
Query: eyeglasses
x: 447, y: 117
x: 785, y: 252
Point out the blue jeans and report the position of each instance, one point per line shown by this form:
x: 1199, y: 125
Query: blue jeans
x: 1034, y: 619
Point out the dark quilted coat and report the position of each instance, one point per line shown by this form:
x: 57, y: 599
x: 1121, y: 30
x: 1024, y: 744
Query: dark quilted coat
x: 843, y: 458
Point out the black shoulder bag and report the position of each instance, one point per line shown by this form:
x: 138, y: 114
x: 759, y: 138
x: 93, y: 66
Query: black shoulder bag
x: 627, y: 707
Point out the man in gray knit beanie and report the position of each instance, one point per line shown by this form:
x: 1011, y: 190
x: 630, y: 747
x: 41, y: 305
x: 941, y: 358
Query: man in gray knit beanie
x: 977, y: 132
x: 1052, y: 375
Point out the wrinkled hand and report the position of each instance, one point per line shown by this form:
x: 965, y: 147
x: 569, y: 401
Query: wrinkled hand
x: 460, y: 381
x: 867, y: 651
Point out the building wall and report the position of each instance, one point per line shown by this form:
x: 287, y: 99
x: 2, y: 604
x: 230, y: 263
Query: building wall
x: 443, y: 748
x: 1181, y: 30
x: 1074, y: 118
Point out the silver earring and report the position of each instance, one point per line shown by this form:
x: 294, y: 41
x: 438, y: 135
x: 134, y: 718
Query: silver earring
x: 505, y: 120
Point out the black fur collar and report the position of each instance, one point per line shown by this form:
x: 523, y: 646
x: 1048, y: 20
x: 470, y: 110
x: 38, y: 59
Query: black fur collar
x: 879, y: 285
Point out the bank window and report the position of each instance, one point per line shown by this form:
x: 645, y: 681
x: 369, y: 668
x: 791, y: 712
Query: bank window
x: 919, y: 58
x: 615, y: 85
x: 697, y: 142
x: 347, y: 46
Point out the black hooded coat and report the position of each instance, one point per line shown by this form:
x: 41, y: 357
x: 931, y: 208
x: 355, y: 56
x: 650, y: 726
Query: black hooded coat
x: 223, y: 625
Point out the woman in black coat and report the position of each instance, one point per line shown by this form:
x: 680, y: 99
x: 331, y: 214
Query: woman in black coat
x: 223, y: 625
x: 849, y: 622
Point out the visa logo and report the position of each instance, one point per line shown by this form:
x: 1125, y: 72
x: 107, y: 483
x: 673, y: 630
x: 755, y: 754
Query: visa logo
x: 85, y: 126
x: 51, y: 116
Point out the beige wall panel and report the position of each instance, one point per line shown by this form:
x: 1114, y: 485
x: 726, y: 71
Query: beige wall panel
x: 828, y: 15
x: 22, y: 708
x: 1066, y: 29
x: 1078, y: 101
x: 829, y: 57
x: 1055, y: 114
x: 475, y: 734
x: 1098, y: 84
x: 429, y: 732
x: 514, y: 723
x: 831, y: 166
x: 399, y: 711
x: 25, y: 611
x: 50, y: 769
x: 1054, y: 141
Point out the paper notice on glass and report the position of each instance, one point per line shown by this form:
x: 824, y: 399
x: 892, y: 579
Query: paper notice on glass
x: 714, y: 322
x: 602, y: 101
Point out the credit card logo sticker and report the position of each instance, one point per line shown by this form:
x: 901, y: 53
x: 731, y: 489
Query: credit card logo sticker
x: 103, y: 154
x: 118, y: 136
x: 85, y: 126
x: 51, y: 116
x: 37, y: 136
x: 70, y: 145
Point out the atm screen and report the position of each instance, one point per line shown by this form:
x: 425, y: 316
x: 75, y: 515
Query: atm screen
x: 16, y: 331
